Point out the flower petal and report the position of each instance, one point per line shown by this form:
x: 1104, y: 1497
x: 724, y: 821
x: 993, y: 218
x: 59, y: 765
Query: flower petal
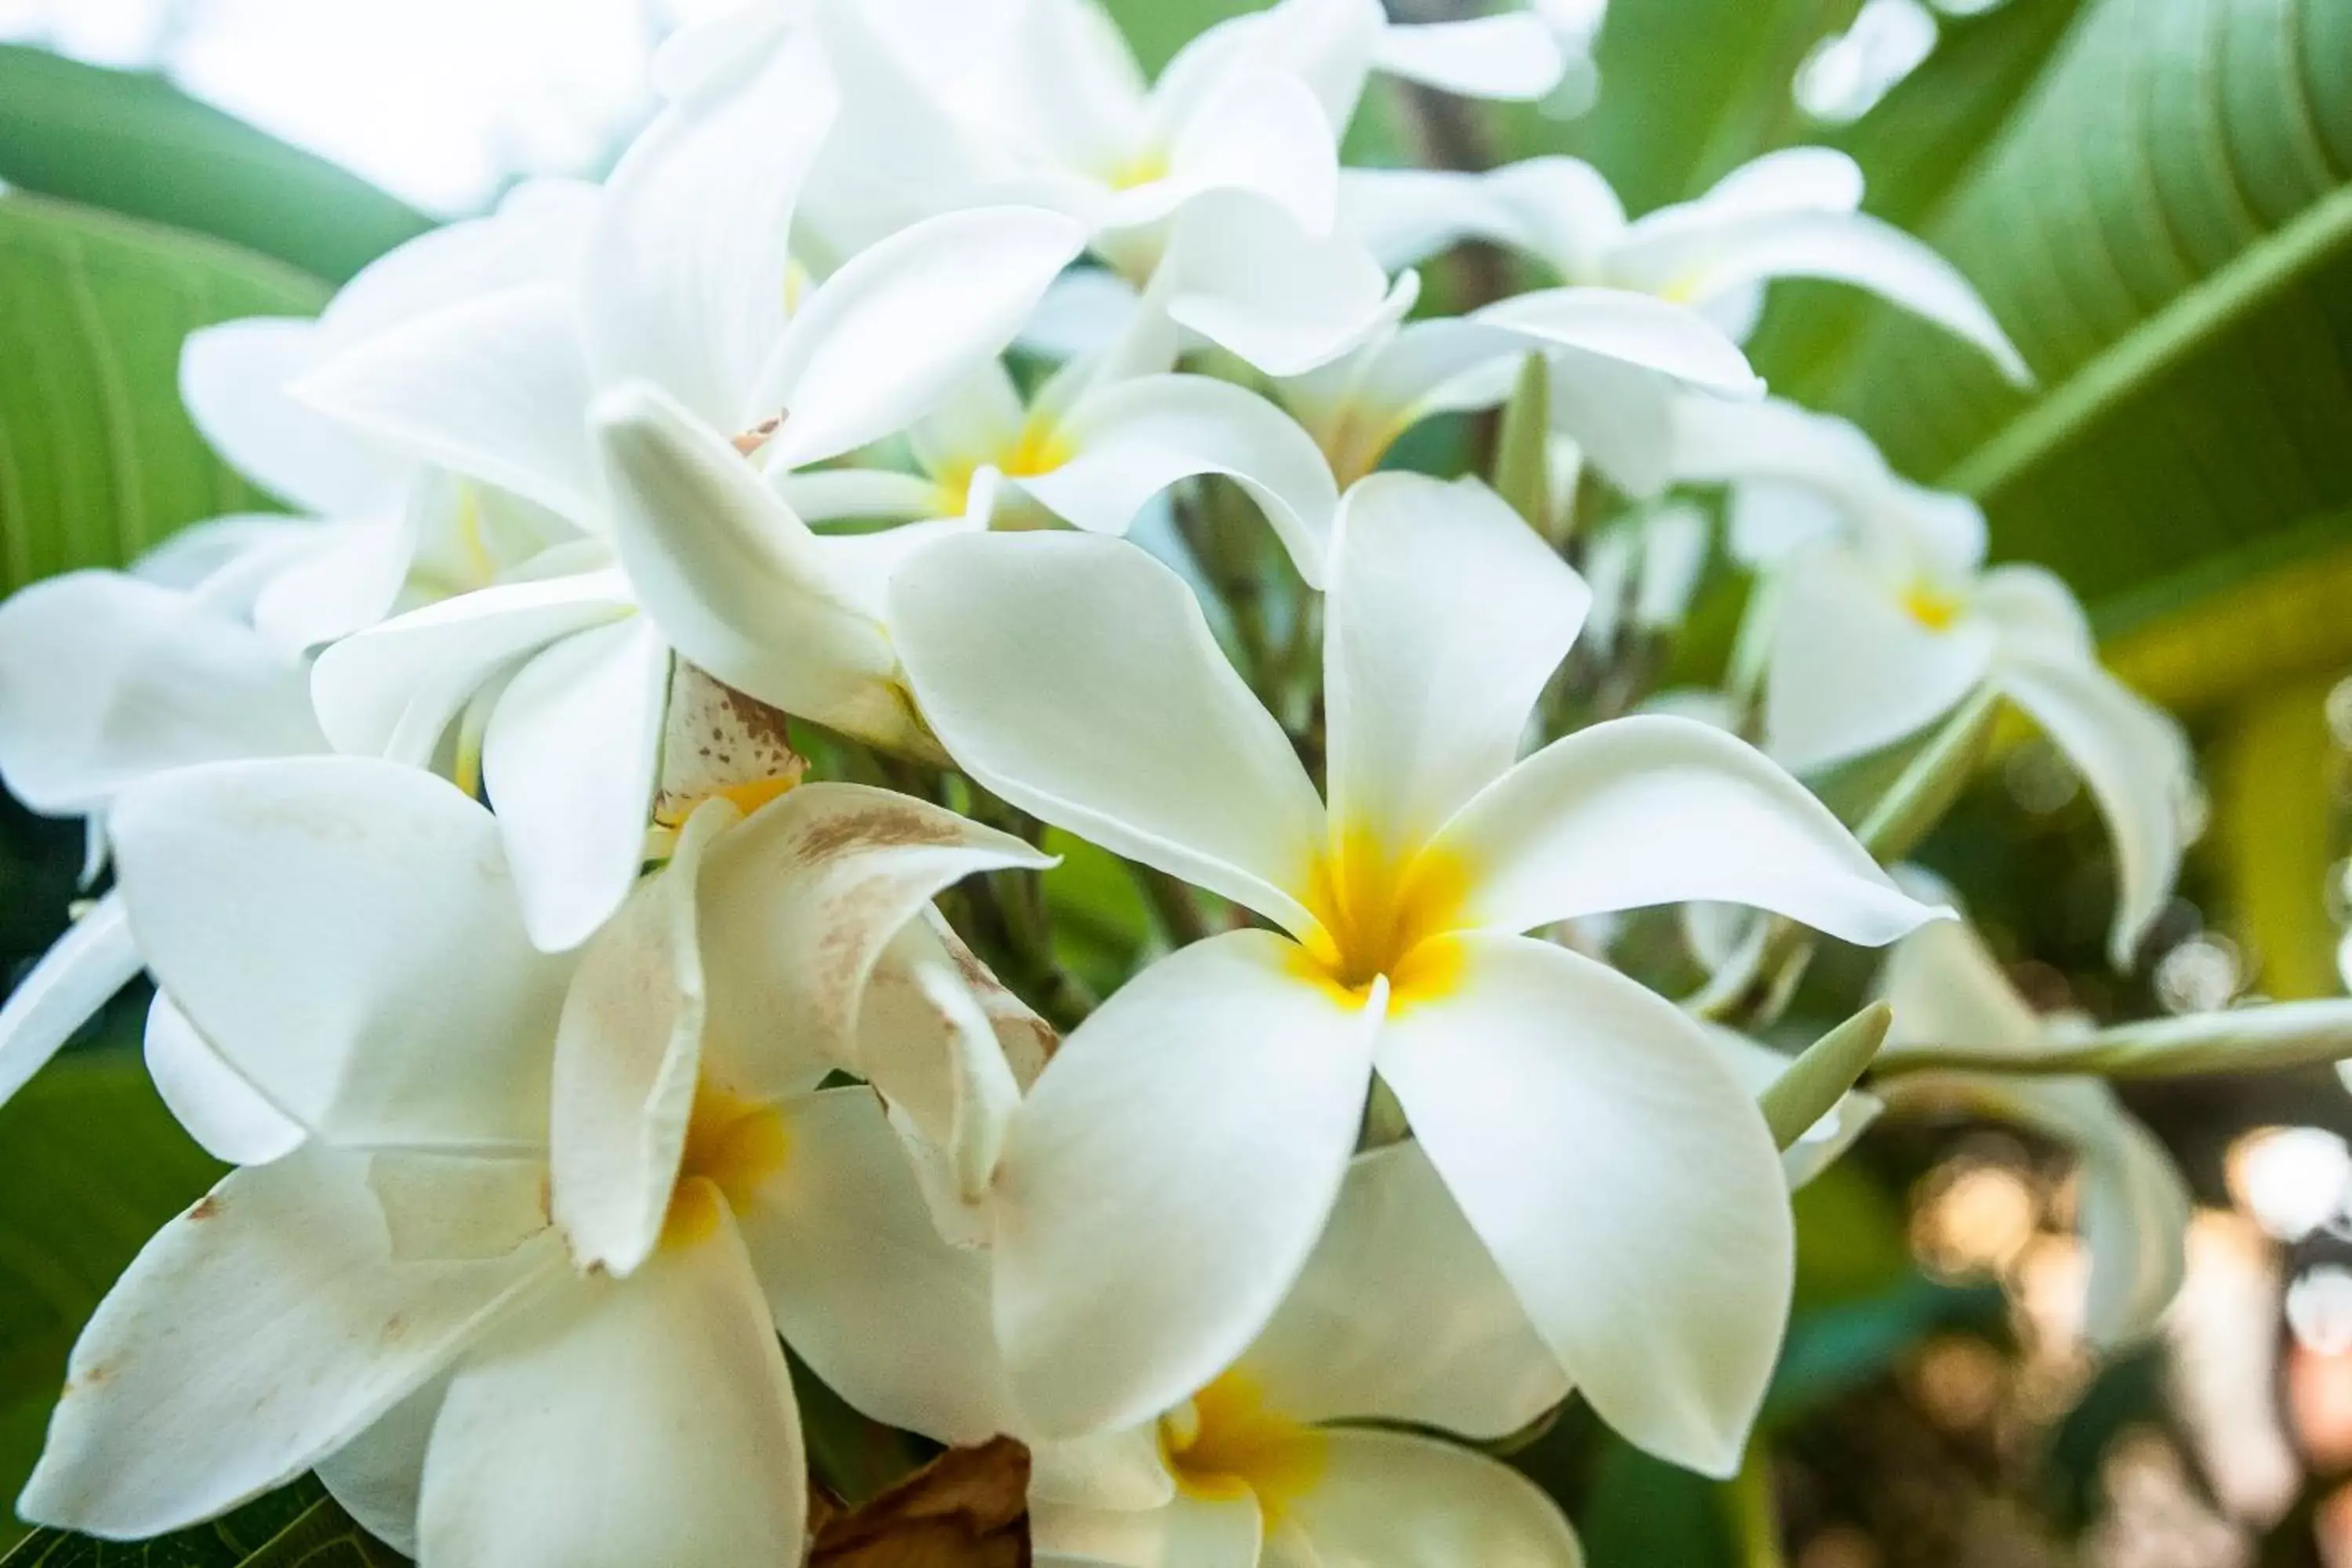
x: 2134, y: 757
x: 1447, y: 616
x: 211, y: 1098
x: 842, y: 1240
x: 685, y: 274
x: 1622, y: 1180
x: 1837, y: 246
x: 234, y: 379
x: 377, y: 986
x: 629, y: 1058
x: 77, y: 976
x: 642, y: 1420
x: 1656, y: 809
x: 1792, y: 179
x: 799, y: 903
x: 572, y: 756
x: 1408, y: 1502
x: 105, y: 680
x: 394, y: 689
x: 1260, y: 130
x: 1632, y: 329
x: 1512, y: 56
x: 496, y: 387
x: 1851, y: 670
x: 377, y: 1477
x: 1168, y: 1177
x: 735, y: 580
x: 258, y: 1333
x: 884, y: 339
x: 1243, y: 272
x: 1134, y: 439
x: 1077, y: 678
x: 1400, y: 1315
x: 1195, y: 1531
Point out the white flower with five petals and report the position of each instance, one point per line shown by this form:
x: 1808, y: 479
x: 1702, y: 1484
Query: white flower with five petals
x: 1164, y: 1184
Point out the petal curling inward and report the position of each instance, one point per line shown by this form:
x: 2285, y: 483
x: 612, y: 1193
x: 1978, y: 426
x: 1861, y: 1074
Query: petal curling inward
x: 378, y: 985
x: 1661, y: 810
x: 884, y: 339
x: 636, y: 1421
x: 1622, y: 1178
x: 1169, y: 1176
x: 1447, y: 616
x: 1132, y: 439
x: 209, y: 1098
x: 1242, y: 272
x: 257, y: 1333
x: 799, y: 901
x: 1077, y: 678
x: 734, y: 579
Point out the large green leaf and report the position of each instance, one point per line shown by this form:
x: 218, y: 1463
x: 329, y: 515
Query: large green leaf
x: 96, y: 1165
x: 2166, y: 227
x: 97, y: 460
x: 298, y: 1527
x: 135, y: 144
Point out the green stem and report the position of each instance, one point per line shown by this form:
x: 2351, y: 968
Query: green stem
x: 1751, y: 1511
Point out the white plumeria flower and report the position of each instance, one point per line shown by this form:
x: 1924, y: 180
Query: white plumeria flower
x: 1620, y: 363
x: 1091, y: 450
x: 1213, y: 191
x: 1791, y: 213
x: 1164, y: 1184
x: 2131, y: 1206
x: 551, y: 1211
x: 627, y: 401
x: 1882, y: 617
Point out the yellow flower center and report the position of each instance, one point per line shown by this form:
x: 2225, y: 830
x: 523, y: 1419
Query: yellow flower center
x: 1382, y: 914
x: 734, y: 1146
x: 1226, y: 1444
x: 1933, y: 607
x: 1039, y: 448
x: 1144, y: 167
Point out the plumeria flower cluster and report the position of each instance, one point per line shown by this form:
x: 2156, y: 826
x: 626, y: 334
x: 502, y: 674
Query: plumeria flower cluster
x: 598, y: 869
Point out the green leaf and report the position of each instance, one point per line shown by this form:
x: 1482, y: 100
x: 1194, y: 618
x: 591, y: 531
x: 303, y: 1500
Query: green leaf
x: 98, y: 460
x: 1692, y: 89
x: 96, y: 1165
x: 1837, y: 1349
x: 1646, y: 1513
x: 134, y: 144
x: 2165, y: 228
x: 297, y: 1527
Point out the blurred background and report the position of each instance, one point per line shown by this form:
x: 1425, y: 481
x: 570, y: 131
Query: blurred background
x: 2155, y: 196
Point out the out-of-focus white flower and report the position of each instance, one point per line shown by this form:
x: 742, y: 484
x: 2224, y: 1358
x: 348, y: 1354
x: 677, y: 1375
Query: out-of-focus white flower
x: 2132, y: 1208
x: 1620, y: 361
x: 551, y: 1210
x: 1882, y: 617
x: 1091, y: 449
x: 1791, y: 213
x: 1165, y: 1182
x: 627, y: 400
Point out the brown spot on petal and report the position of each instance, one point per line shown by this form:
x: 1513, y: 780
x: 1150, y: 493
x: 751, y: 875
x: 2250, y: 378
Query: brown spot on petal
x: 876, y: 827
x: 206, y: 1208
x: 759, y: 435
